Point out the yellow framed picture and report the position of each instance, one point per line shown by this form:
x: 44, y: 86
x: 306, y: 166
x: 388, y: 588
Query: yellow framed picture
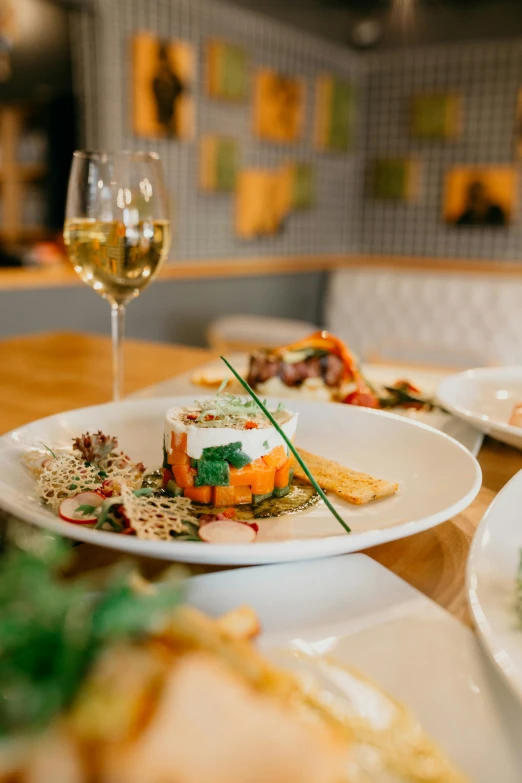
x: 162, y: 87
x: 263, y: 201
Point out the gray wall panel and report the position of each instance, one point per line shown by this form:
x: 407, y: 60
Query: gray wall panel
x: 172, y: 310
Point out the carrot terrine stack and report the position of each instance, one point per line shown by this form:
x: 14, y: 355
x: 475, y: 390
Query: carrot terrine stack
x: 224, y: 451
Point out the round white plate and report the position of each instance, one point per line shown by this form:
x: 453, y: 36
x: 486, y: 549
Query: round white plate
x: 491, y: 575
x: 437, y: 478
x: 485, y: 398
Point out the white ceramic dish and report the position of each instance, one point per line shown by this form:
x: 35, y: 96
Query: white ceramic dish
x: 437, y: 477
x: 485, y: 398
x: 492, y: 570
x: 361, y: 614
x: 380, y: 375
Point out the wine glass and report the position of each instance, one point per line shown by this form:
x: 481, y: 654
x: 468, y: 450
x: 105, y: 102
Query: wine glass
x: 117, y: 231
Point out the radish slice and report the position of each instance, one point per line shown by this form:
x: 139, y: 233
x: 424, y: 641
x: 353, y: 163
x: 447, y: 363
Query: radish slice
x: 69, y: 507
x: 225, y: 531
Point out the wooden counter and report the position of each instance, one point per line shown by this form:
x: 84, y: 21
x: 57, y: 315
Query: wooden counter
x: 63, y: 275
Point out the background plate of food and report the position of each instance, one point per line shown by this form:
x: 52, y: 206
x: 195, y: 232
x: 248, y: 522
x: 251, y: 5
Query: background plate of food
x: 322, y: 368
x: 489, y: 398
x: 332, y: 672
x: 494, y: 579
x: 225, y: 486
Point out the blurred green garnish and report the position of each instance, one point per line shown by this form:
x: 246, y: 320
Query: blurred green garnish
x: 52, y: 630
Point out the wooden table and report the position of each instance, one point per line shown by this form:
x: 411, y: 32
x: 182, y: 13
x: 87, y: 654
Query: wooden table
x: 48, y: 373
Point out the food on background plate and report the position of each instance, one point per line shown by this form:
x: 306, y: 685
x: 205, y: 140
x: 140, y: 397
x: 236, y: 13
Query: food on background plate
x: 319, y: 367
x: 126, y: 684
x: 322, y: 367
x: 354, y: 487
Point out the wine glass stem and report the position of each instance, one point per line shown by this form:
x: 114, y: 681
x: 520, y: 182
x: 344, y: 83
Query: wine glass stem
x: 118, y: 333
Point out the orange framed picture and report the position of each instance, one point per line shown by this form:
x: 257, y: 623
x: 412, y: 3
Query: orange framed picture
x: 278, y: 106
x: 480, y: 196
x: 162, y: 87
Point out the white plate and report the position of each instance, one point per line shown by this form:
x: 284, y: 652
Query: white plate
x: 355, y: 610
x: 437, y: 476
x: 379, y: 375
x: 492, y: 569
x: 485, y: 397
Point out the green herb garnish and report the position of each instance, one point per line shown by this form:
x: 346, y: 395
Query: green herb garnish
x: 289, y: 443
x: 222, y: 386
x: 52, y: 630
x: 48, y: 449
x: 86, y: 509
x: 265, y: 444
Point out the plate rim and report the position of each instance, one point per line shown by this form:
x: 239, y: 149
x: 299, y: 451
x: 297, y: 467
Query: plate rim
x: 275, y: 551
x: 495, y: 651
x: 484, y: 422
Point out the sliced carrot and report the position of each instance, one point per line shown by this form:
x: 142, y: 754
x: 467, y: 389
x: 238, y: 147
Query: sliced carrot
x: 276, y: 458
x: 282, y: 476
x: 167, y: 476
x: 251, y: 425
x: 242, y: 495
x: 184, y: 476
x: 240, y: 477
x: 230, y: 513
x: 224, y: 496
x: 264, y: 477
x: 199, y: 494
x: 178, y: 441
x: 178, y: 458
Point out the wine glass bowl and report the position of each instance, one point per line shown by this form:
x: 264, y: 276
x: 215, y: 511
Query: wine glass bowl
x: 117, y: 230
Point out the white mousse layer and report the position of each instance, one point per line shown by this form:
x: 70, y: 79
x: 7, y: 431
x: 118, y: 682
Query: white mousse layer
x: 255, y: 442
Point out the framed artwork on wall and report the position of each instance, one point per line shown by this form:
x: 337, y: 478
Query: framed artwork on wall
x: 518, y: 126
x: 263, y: 202
x: 226, y: 71
x: 334, y: 114
x: 278, y: 106
x: 396, y: 179
x: 162, y: 87
x: 303, y: 186
x: 436, y: 116
x: 480, y: 196
x: 219, y: 160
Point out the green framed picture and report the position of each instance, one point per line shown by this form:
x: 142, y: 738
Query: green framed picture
x: 226, y: 72
x: 395, y: 179
x: 335, y: 114
x: 436, y: 116
x: 219, y: 163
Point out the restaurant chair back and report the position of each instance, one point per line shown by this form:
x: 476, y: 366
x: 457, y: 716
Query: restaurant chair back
x: 251, y: 332
x: 445, y: 318
x: 430, y: 355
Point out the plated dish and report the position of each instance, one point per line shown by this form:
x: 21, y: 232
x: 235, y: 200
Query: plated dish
x: 486, y: 398
x: 227, y: 460
x: 146, y: 689
x: 494, y: 580
x: 350, y: 436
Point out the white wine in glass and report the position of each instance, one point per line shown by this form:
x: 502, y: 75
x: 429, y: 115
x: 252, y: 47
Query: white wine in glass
x: 117, y: 231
